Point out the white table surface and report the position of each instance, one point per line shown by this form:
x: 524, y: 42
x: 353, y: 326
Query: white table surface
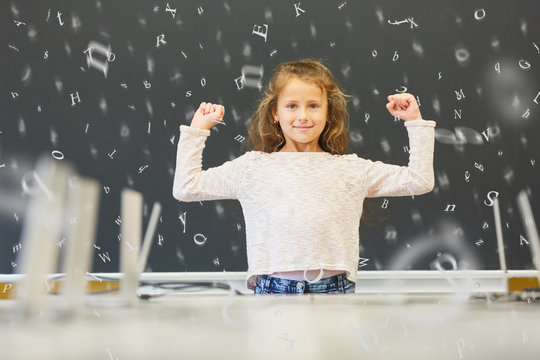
x: 309, y: 326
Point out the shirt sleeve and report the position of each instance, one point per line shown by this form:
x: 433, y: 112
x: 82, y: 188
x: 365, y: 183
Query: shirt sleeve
x: 191, y: 183
x: 415, y: 179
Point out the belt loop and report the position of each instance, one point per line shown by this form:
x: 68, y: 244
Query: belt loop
x: 304, y: 287
x: 340, y: 282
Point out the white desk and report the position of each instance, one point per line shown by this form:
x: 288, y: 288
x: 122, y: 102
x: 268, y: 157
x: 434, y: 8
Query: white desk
x: 310, y: 326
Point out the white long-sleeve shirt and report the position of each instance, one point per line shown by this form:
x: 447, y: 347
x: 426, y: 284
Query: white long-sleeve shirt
x: 302, y: 209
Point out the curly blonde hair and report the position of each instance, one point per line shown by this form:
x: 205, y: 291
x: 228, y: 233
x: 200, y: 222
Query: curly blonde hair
x: 266, y: 136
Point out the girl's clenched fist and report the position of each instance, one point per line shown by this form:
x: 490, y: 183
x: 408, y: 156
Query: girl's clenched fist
x: 404, y: 106
x: 207, y: 115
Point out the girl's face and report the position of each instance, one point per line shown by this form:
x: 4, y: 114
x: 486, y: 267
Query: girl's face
x: 302, y: 111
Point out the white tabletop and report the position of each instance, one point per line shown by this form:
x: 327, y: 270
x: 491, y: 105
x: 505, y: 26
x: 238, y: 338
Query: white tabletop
x: 308, y: 326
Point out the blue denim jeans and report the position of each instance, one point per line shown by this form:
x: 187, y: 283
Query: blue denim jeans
x: 337, y: 284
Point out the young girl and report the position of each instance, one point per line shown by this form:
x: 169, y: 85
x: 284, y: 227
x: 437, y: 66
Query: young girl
x: 302, y: 195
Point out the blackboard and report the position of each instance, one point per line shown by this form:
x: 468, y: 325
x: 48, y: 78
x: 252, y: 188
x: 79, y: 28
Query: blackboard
x: 106, y: 84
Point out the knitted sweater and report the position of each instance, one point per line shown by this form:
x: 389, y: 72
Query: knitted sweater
x: 302, y: 209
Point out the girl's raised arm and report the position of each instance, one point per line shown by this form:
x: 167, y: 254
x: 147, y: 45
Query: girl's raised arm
x: 191, y: 183
x: 417, y: 178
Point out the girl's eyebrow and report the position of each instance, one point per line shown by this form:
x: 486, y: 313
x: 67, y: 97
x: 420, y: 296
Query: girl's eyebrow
x: 290, y: 100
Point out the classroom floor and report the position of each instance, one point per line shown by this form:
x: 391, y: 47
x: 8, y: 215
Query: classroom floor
x: 311, y: 326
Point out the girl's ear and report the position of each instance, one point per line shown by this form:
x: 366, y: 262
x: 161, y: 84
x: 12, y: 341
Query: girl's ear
x: 274, y: 114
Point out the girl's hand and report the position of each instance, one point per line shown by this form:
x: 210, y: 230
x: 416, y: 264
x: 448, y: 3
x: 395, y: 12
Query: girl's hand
x: 403, y: 106
x: 207, y: 115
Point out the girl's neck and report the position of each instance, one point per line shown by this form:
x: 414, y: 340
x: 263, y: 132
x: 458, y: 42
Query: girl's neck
x: 318, y: 150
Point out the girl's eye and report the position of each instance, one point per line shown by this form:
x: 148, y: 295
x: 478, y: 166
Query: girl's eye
x: 312, y: 105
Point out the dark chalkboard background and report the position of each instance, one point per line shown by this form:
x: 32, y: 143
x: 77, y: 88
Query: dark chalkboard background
x: 472, y: 65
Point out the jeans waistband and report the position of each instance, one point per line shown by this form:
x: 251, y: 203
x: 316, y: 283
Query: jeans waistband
x: 339, y: 278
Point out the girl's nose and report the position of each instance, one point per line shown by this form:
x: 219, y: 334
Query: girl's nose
x: 301, y: 113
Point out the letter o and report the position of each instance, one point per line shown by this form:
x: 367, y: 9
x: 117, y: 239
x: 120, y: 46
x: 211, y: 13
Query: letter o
x: 355, y: 136
x: 124, y: 132
x: 319, y: 277
x: 199, y: 242
x: 57, y: 155
x: 462, y: 54
x: 480, y: 17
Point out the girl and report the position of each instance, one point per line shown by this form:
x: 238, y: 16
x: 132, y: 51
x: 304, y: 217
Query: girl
x: 302, y: 195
